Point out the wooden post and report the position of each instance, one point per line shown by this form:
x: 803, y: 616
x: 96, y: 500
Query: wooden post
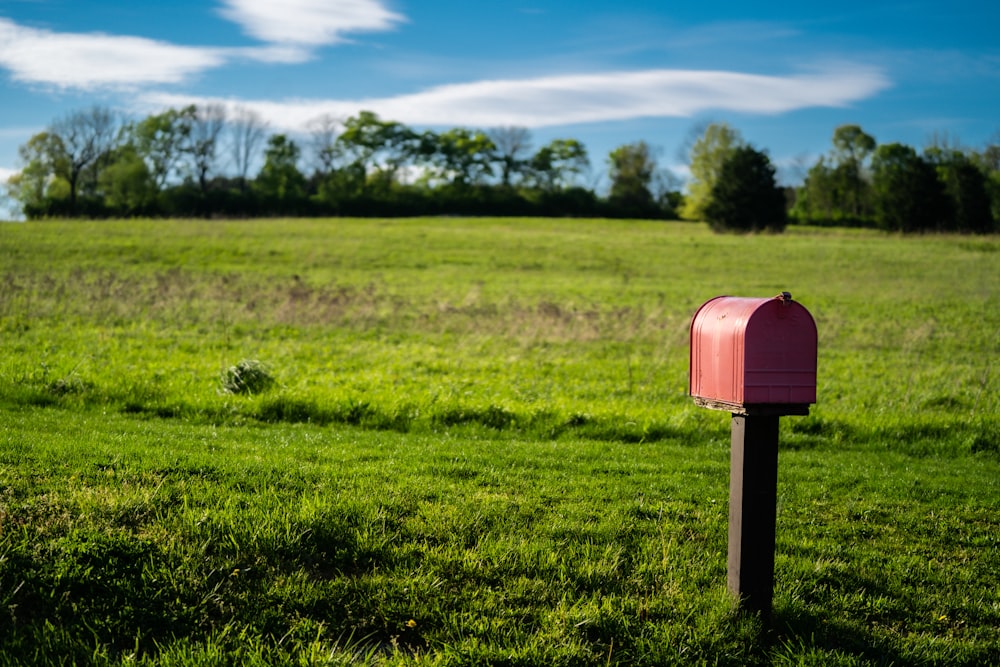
x: 753, y: 497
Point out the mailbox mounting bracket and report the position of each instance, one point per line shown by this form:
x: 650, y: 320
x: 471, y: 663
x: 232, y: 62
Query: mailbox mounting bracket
x: 762, y: 409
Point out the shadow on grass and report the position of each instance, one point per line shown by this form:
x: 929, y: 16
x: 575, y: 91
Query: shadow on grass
x: 107, y: 590
x: 804, y: 637
x: 920, y: 436
x: 798, y: 632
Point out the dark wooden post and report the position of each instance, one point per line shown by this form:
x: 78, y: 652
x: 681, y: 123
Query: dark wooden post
x: 753, y: 496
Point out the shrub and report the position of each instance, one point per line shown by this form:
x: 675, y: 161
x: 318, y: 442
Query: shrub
x: 746, y: 197
x: 247, y: 377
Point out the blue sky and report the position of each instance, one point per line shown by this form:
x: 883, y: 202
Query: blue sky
x: 605, y: 72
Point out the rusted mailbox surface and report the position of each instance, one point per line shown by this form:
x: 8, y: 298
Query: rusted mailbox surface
x: 753, y: 355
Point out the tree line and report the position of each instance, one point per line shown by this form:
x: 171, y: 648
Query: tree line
x: 197, y: 161
x: 895, y: 188
x: 858, y: 183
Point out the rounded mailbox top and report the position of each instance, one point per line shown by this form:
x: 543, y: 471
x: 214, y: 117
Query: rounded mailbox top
x: 750, y: 353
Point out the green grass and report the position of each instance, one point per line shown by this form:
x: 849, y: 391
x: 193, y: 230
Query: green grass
x: 477, y: 447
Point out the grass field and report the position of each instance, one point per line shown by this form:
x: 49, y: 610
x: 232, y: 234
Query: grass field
x: 477, y: 447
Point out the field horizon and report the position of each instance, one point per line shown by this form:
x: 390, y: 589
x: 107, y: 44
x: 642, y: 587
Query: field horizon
x: 469, y: 441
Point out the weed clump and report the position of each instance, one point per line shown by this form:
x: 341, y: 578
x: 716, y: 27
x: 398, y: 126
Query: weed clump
x: 248, y: 376
x: 71, y: 384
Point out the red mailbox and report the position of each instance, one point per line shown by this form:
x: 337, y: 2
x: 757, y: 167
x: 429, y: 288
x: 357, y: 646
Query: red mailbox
x: 753, y: 355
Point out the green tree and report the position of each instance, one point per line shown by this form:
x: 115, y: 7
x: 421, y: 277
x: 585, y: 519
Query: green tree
x: 706, y: 157
x: 852, y: 144
x: 631, y: 169
x: 667, y: 192
x: 128, y: 186
x: 907, y: 194
x: 87, y: 138
x: 41, y: 179
x: 816, y: 200
x: 965, y: 187
x: 555, y: 165
x: 837, y: 188
x: 512, y: 151
x: 280, y: 180
x: 341, y: 184
x: 988, y: 162
x: 851, y: 149
x: 380, y: 147
x: 161, y: 140
x: 746, y: 197
x: 336, y: 178
x: 465, y: 157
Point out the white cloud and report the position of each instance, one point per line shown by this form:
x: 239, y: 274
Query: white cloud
x: 95, y: 60
x: 582, y: 98
x: 6, y: 173
x: 90, y: 61
x: 308, y: 22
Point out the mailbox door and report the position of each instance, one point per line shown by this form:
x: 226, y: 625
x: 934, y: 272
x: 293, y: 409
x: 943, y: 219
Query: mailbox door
x: 780, y: 354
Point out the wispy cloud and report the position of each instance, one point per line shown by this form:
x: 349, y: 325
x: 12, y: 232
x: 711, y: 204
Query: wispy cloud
x: 582, y: 98
x: 95, y: 60
x: 308, y: 22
